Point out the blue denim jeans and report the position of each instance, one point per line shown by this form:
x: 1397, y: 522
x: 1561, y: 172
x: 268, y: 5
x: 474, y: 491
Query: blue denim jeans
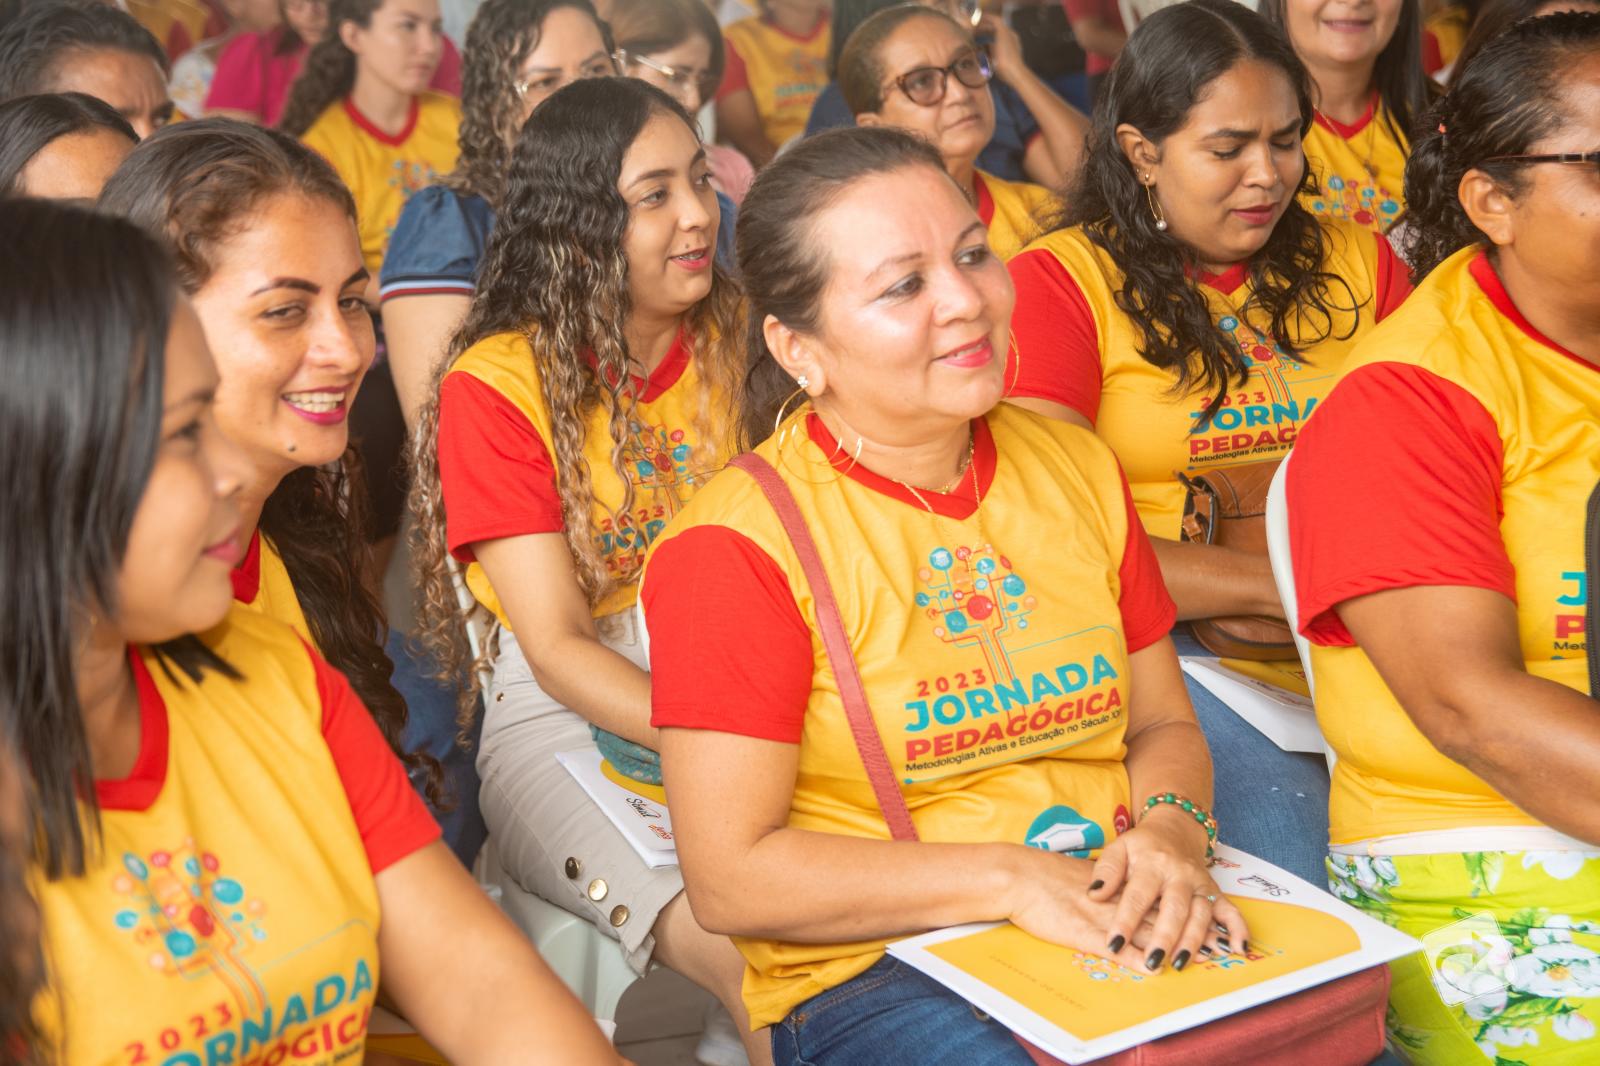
x: 892, y: 1015
x: 1269, y: 802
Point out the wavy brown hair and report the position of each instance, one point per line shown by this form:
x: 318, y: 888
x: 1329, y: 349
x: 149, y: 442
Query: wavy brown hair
x: 556, y: 274
x: 330, y: 70
x: 197, y: 183
x: 502, y: 36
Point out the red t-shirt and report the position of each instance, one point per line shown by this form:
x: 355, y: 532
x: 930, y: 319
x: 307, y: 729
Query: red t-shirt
x: 1109, y: 12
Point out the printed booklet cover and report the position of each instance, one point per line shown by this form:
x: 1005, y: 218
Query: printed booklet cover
x: 1080, y: 1007
x: 638, y: 811
x: 1273, y: 697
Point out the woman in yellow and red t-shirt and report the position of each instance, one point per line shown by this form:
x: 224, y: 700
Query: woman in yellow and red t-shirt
x: 1022, y: 686
x: 917, y: 69
x: 777, y: 64
x: 1443, y: 515
x: 1368, y: 87
x: 1191, y: 311
x: 229, y: 857
x: 584, y: 404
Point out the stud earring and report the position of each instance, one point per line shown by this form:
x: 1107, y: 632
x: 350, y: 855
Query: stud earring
x: 802, y: 381
x: 1155, y: 208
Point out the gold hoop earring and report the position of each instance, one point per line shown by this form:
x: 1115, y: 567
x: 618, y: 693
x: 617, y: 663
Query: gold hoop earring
x: 782, y: 409
x: 1016, y: 374
x: 1155, y: 207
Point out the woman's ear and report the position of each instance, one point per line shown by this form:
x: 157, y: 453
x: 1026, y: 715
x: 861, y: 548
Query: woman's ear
x: 1488, y: 205
x: 869, y: 118
x: 1139, y: 150
x: 795, y: 354
x: 350, y: 36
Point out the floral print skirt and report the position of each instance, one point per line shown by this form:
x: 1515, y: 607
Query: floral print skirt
x: 1509, y: 973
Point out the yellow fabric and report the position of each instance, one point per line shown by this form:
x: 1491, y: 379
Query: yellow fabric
x: 1389, y: 778
x: 275, y: 595
x: 381, y: 175
x: 236, y: 914
x: 1346, y: 187
x: 666, y: 424
x: 1152, y: 430
x: 785, y: 74
x: 1017, y: 207
x: 1004, y: 727
x: 1449, y: 26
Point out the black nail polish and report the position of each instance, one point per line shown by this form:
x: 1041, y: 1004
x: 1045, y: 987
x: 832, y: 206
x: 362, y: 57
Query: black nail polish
x: 1116, y: 942
x: 1154, y: 961
x: 1206, y: 952
x: 1095, y: 886
x: 1224, y: 942
x: 1244, y: 947
x: 1180, y: 960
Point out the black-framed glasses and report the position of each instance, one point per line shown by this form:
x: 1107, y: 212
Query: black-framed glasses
x: 926, y: 86
x: 1592, y: 158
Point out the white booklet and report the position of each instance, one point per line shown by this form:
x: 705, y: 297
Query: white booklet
x: 1080, y: 1007
x: 641, y: 818
x: 1265, y: 697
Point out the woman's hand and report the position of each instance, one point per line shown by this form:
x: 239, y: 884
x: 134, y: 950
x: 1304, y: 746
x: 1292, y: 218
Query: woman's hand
x: 1157, y: 877
x: 1005, y: 53
x: 1052, y: 901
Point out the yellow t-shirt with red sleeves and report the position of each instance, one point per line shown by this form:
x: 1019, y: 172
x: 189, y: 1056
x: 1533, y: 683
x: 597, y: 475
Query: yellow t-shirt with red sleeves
x: 230, y: 912
x: 261, y: 582
x: 497, y: 468
x: 1073, y: 345
x: 995, y: 659
x: 1360, y: 170
x: 783, y: 72
x: 381, y: 170
x: 1012, y: 210
x: 1462, y: 447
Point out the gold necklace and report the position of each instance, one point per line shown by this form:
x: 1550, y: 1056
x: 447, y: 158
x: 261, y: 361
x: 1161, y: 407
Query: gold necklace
x: 1370, y: 139
x: 977, y: 495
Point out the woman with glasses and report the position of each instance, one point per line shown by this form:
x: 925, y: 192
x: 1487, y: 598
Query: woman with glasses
x: 1443, y: 507
x: 519, y: 52
x: 256, y: 70
x: 676, y: 46
x: 917, y: 69
x: 1189, y: 309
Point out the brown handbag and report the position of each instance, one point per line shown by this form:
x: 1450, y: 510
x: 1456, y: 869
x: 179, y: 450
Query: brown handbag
x: 1228, y: 506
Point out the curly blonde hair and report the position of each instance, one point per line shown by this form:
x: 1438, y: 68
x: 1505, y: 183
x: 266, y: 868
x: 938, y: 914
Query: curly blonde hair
x: 556, y: 274
x: 502, y: 36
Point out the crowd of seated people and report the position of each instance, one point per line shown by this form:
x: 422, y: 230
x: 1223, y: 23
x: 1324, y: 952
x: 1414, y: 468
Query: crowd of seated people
x: 762, y: 396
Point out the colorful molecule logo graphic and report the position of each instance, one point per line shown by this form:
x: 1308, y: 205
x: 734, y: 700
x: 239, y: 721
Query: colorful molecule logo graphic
x: 974, y: 600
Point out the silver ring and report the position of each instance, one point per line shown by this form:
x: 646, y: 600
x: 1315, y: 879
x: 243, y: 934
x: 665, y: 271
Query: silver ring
x: 1208, y: 897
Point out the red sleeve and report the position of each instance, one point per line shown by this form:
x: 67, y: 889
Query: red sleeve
x: 1432, y: 55
x: 1436, y: 453
x: 1394, y: 279
x: 1148, y: 610
x: 728, y: 648
x: 735, y: 76
x: 447, y: 76
x: 1106, y: 10
x: 389, y: 814
x: 240, y: 79
x: 494, y: 468
x: 1055, y: 351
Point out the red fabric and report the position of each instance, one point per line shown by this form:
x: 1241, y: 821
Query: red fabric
x: 1483, y: 273
x: 1394, y: 484
x: 985, y: 203
x: 366, y: 125
x: 1353, y: 128
x: 389, y: 814
x: 494, y: 468
x: 246, y: 576
x: 447, y: 78
x: 1432, y: 55
x: 1109, y: 12
x: 1148, y: 610
x: 958, y: 503
x: 1394, y: 279
x: 735, y: 75
x: 1055, y: 353
x: 139, y: 789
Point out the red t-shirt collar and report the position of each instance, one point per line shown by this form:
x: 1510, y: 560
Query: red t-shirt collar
x: 1227, y: 280
x: 139, y: 789
x: 1333, y: 125
x: 985, y: 204
x: 365, y: 124
x: 247, y: 575
x: 1483, y: 272
x: 666, y: 373
x: 957, y: 504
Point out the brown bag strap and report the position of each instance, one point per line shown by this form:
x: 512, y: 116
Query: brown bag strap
x: 837, y: 646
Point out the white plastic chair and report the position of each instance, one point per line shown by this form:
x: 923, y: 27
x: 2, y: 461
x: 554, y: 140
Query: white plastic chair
x: 1283, y: 575
x: 591, y: 963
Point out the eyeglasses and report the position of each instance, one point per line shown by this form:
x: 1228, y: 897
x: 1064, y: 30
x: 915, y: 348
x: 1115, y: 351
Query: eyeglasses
x: 1560, y: 157
x: 546, y: 82
x: 679, y: 77
x: 926, y: 86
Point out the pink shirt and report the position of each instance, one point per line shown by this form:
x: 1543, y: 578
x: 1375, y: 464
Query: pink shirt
x: 253, y: 76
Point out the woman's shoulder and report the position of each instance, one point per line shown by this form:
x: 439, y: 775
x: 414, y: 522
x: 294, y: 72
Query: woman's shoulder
x: 438, y: 111
x: 1043, y: 438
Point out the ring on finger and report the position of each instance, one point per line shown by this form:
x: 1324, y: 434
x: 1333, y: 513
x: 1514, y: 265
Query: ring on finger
x: 1209, y: 897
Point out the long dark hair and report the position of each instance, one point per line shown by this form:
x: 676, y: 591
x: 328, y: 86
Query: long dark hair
x: 1505, y: 100
x: 1489, y: 22
x: 502, y: 36
x: 22, y: 967
x: 330, y: 70
x: 1167, y: 64
x: 787, y: 272
x: 556, y: 273
x: 194, y: 182
x: 83, y: 325
x: 29, y: 124
x: 1397, y: 75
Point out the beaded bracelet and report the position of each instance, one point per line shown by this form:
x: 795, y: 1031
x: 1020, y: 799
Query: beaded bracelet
x: 1199, y: 813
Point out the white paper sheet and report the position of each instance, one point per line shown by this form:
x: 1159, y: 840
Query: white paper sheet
x: 645, y: 824
x: 1285, y: 718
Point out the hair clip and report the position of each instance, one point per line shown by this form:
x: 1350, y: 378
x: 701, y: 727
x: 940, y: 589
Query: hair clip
x: 1442, y: 130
